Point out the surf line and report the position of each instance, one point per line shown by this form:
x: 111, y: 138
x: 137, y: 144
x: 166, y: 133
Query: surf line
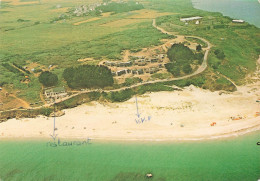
x: 69, y: 143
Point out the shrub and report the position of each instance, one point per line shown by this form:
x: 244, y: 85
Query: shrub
x: 131, y: 81
x: 198, y: 48
x: 180, y: 53
x: 48, y: 79
x: 12, y: 69
x: 219, y: 54
x: 174, y: 70
x: 88, y: 76
x: 187, y: 69
x: 121, y: 95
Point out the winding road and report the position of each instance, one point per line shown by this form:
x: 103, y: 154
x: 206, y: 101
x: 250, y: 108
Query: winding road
x: 201, y: 68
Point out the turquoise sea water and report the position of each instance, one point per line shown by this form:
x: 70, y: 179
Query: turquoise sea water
x: 230, y: 159
x: 248, y: 10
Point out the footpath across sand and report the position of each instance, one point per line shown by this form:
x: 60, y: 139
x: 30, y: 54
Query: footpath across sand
x: 178, y: 115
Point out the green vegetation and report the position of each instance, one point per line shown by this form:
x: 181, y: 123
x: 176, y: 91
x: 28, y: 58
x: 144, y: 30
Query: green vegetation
x: 119, y: 96
x: 22, y: 20
x: 161, y: 75
x: 174, y: 70
x: 219, y: 54
x: 132, y: 81
x: 181, y: 58
x: 180, y: 53
x: 21, y: 68
x: 239, y: 43
x: 152, y: 88
x: 120, y: 7
x: 24, y: 41
x: 198, y: 41
x: 48, y: 79
x: 207, y: 80
x: 198, y: 47
x: 88, y: 76
x: 78, y: 100
x: 25, y: 113
x: 12, y: 69
x: 39, y: 33
x: 114, y: 7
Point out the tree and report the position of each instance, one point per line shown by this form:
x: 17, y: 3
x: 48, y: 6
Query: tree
x: 219, y: 54
x: 48, y: 79
x: 187, y: 69
x: 181, y: 56
x: 198, y: 47
x: 88, y: 76
x: 180, y: 53
x: 173, y: 69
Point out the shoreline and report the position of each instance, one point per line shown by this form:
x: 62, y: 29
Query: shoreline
x: 175, y: 116
x: 210, y: 6
x: 221, y: 137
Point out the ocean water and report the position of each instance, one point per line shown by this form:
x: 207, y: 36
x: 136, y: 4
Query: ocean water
x: 229, y: 159
x: 248, y: 10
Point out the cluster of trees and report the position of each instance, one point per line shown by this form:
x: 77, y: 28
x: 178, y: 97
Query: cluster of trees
x: 88, y: 76
x: 181, y: 58
x: 48, y: 79
x: 180, y: 53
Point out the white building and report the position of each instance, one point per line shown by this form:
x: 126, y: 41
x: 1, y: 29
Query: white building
x: 190, y: 19
x: 56, y: 93
x: 238, y: 21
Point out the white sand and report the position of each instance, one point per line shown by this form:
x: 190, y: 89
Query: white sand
x: 194, y: 108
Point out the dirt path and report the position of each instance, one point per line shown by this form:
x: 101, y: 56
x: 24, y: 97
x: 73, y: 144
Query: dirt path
x: 25, y: 104
x: 18, y: 68
x: 126, y: 55
x: 228, y: 79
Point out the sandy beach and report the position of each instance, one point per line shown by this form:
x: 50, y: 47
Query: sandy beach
x: 178, y: 115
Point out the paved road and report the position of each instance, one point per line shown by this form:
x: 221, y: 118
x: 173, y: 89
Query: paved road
x: 201, y: 68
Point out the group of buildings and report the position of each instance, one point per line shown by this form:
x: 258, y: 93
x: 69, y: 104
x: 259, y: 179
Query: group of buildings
x: 86, y: 9
x: 150, y: 70
x: 197, y: 19
x: 137, y: 66
x: 55, y: 94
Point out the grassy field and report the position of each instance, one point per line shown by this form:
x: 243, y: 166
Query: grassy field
x: 239, y: 42
x: 30, y: 37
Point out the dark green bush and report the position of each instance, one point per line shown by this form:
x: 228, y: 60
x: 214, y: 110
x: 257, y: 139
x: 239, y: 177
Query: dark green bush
x: 88, y: 76
x: 48, y: 79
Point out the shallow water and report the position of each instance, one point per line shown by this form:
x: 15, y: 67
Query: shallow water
x: 248, y: 10
x: 229, y: 159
